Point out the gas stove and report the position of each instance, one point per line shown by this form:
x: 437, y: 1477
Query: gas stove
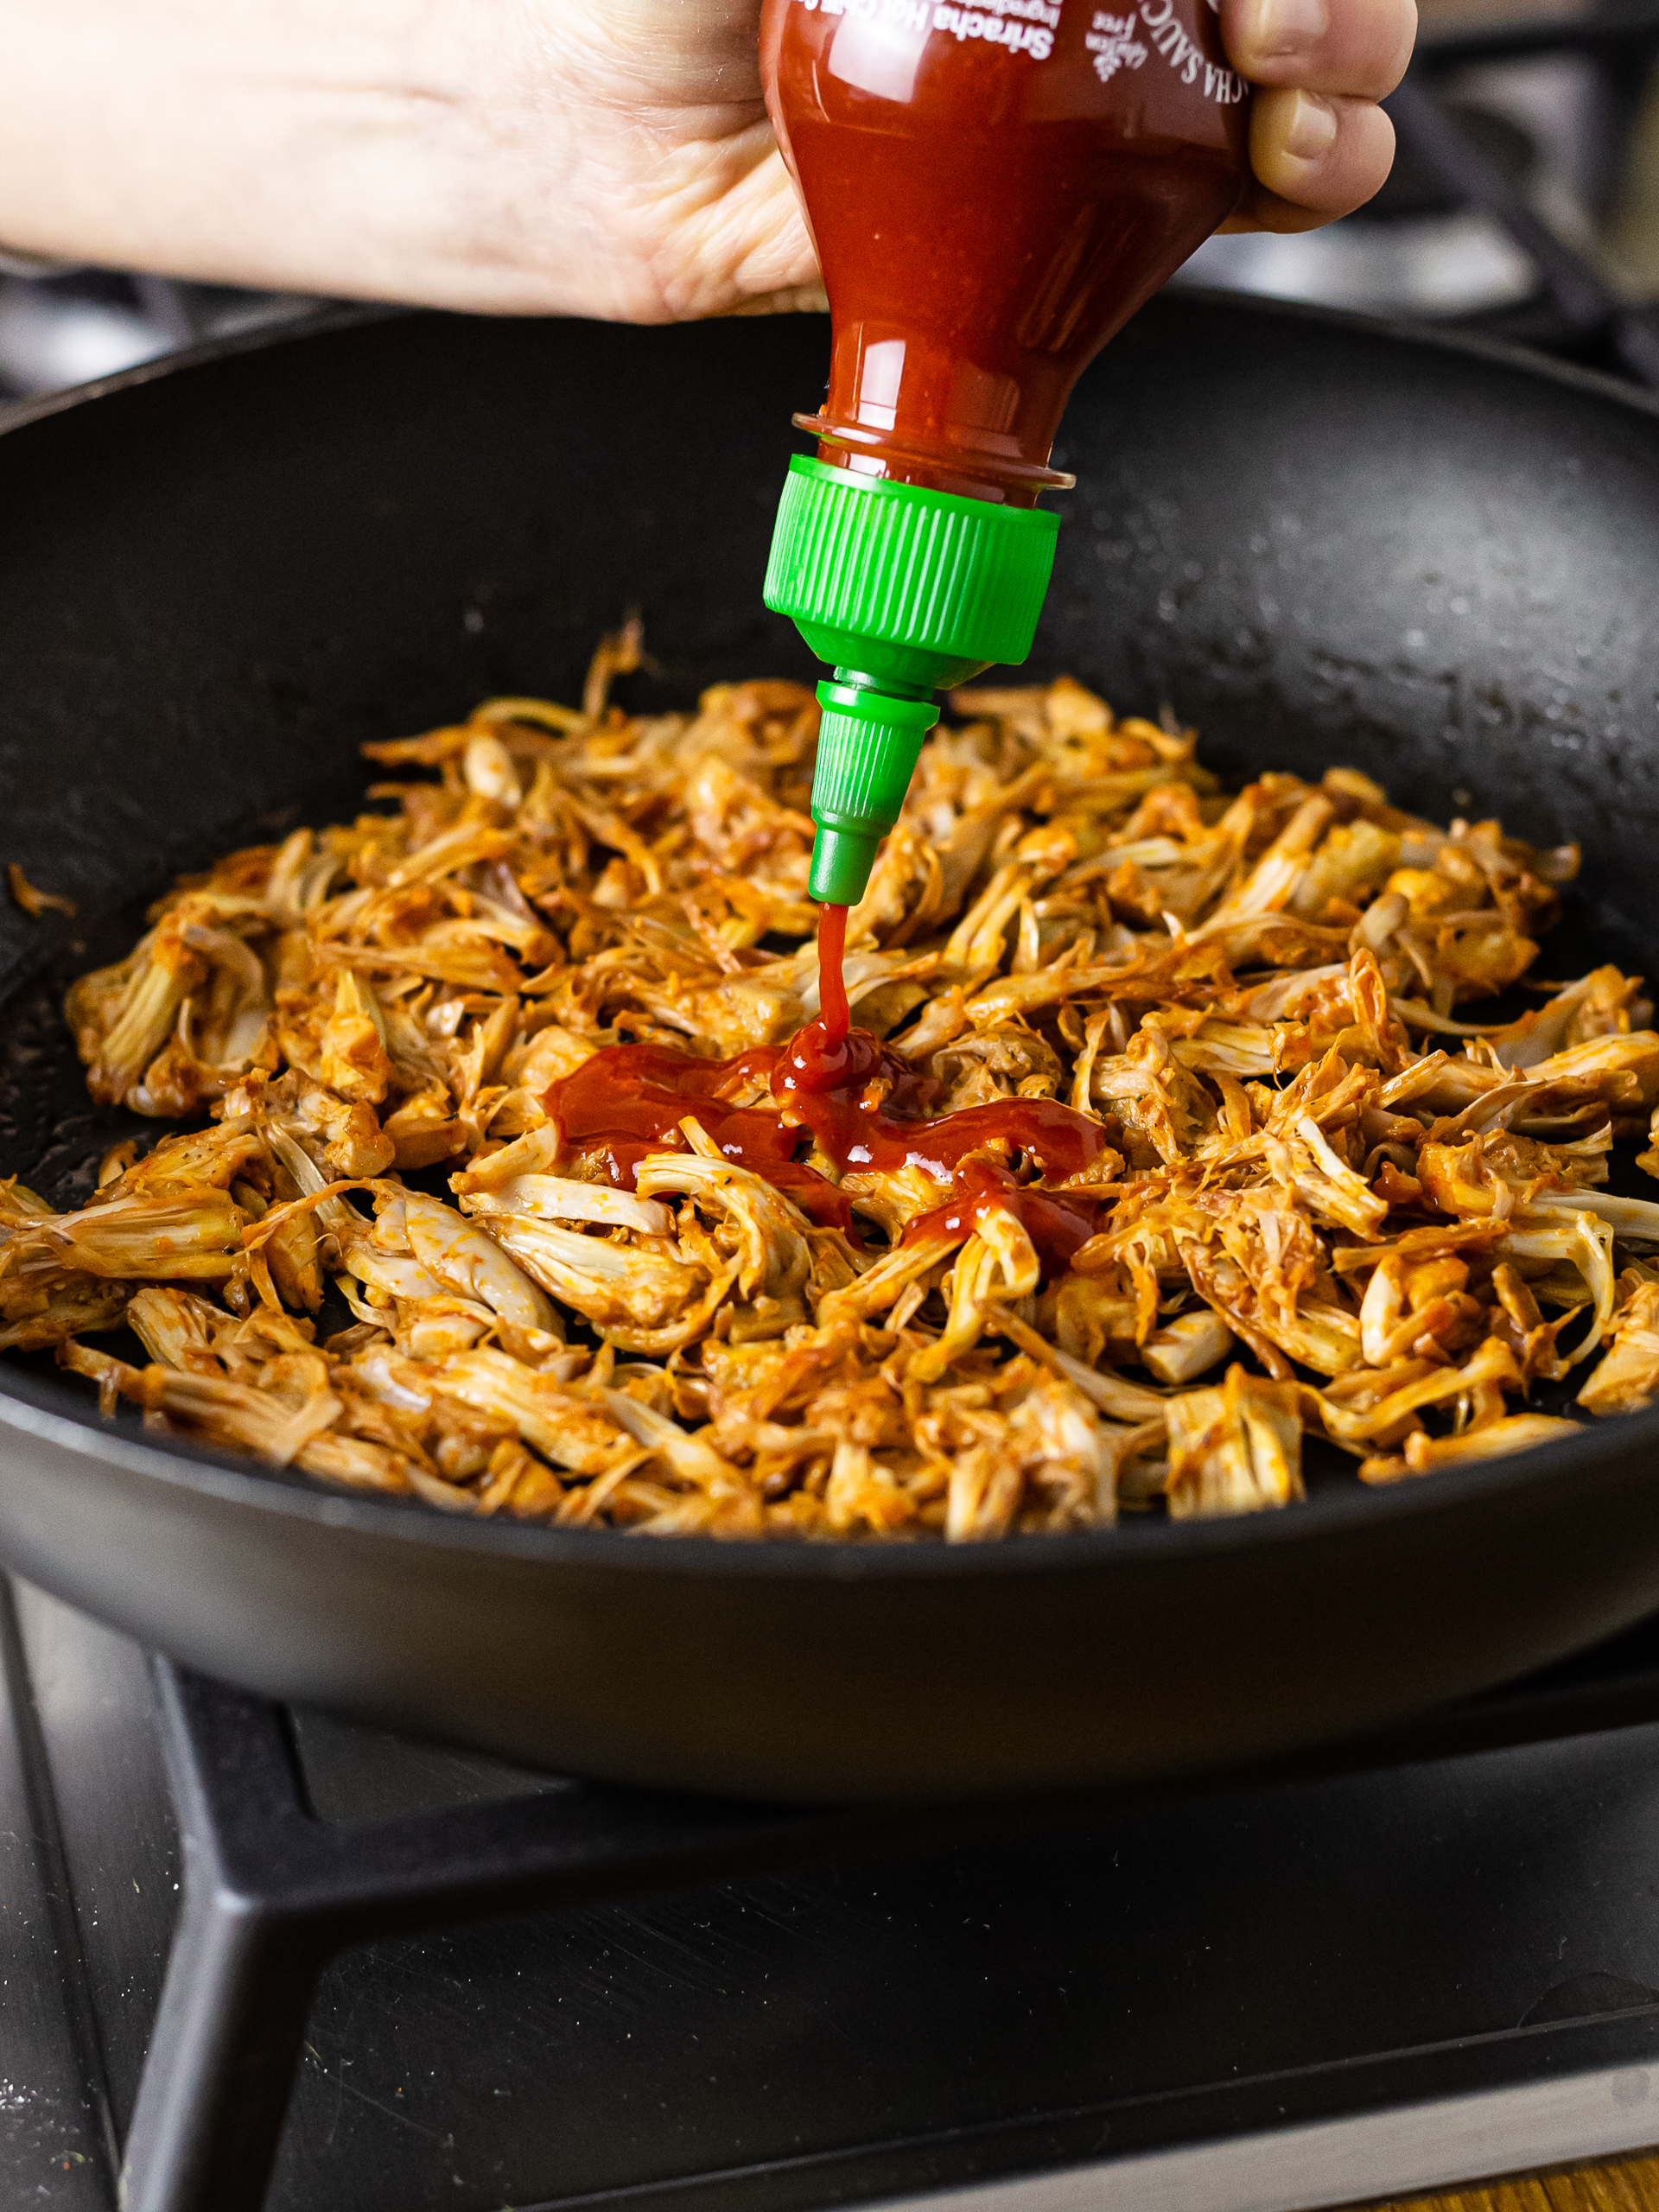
x: 405, y: 1977
x: 264, y: 1958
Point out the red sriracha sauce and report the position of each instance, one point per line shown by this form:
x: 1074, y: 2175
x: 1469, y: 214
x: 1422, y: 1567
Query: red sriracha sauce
x: 629, y: 1100
x: 993, y: 193
x: 835, y: 1016
x: 866, y: 1109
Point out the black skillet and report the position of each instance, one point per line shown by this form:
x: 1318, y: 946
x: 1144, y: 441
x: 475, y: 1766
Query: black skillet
x: 1320, y: 539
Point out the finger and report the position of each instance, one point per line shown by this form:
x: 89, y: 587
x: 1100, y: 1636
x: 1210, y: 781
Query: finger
x: 727, y: 229
x: 1321, y: 158
x: 800, y: 299
x: 1359, y: 48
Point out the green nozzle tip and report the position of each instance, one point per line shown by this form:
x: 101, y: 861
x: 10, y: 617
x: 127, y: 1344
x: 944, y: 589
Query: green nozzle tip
x: 868, y: 744
x: 842, y: 860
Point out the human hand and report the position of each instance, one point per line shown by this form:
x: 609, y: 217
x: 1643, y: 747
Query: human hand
x: 1319, y: 143
x: 604, y: 157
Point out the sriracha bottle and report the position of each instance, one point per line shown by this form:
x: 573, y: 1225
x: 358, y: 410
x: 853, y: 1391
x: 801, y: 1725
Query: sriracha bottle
x: 993, y: 190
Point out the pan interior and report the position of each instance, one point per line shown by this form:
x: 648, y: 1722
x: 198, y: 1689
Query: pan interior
x: 1317, y: 540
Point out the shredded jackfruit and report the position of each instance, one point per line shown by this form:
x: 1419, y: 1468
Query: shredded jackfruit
x: 1330, y: 1203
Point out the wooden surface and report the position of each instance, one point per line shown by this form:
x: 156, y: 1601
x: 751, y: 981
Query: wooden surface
x: 1632, y: 2185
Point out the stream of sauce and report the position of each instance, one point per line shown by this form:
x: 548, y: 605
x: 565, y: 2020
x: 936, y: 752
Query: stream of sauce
x: 835, y: 1016
x: 867, y: 1109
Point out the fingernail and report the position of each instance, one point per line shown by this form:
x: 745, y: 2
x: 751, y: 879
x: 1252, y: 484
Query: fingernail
x: 1312, y: 128
x: 1289, y: 27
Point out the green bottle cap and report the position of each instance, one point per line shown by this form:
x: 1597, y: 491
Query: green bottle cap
x: 905, y: 591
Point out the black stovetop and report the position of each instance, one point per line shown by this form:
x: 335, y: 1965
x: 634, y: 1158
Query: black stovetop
x: 1431, y: 1960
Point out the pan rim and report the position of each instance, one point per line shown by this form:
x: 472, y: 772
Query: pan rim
x: 341, y: 316
x: 41, y: 1410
